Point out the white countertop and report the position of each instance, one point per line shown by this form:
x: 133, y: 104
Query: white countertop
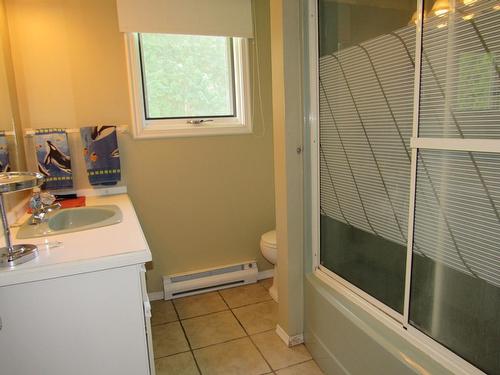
x: 91, y: 250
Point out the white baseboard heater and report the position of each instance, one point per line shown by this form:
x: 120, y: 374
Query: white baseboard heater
x: 227, y: 276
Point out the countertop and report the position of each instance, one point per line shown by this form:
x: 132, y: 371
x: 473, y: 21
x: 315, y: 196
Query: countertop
x: 91, y: 250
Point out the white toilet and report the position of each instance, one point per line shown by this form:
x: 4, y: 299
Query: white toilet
x: 270, y: 252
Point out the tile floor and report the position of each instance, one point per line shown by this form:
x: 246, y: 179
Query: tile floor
x: 226, y: 332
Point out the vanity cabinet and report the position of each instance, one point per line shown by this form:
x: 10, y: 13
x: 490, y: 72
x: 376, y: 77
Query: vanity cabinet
x: 91, y: 323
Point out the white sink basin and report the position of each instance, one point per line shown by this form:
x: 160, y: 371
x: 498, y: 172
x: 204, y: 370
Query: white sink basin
x: 72, y: 220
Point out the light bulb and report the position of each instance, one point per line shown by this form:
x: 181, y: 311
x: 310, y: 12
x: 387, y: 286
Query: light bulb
x: 440, y: 7
x: 414, y: 18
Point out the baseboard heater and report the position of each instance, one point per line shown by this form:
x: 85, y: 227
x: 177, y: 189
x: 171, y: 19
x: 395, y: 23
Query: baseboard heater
x: 227, y: 276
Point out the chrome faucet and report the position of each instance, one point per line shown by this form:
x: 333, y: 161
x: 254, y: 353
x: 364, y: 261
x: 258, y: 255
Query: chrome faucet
x: 41, y: 204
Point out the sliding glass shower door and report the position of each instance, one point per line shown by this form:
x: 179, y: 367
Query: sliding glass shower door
x: 366, y: 72
x: 409, y: 178
x: 455, y: 286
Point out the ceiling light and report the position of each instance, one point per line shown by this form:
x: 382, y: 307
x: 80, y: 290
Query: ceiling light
x: 440, y: 7
x: 414, y: 18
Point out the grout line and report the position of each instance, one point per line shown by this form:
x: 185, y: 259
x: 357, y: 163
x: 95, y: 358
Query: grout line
x: 298, y: 363
x: 241, y: 324
x: 163, y: 323
x: 218, y: 343
x: 187, y: 339
x: 170, y: 355
x: 202, y: 315
x: 250, y: 338
x: 223, y: 299
x: 255, y: 303
x: 261, y: 354
x: 251, y: 303
x: 248, y: 304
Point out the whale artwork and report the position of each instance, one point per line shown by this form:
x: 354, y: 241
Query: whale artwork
x: 101, y: 153
x: 100, y: 132
x: 43, y: 170
x: 4, y: 154
x: 56, y: 157
x: 54, y: 160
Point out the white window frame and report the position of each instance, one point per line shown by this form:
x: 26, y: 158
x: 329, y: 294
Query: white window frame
x: 398, y: 323
x: 142, y: 127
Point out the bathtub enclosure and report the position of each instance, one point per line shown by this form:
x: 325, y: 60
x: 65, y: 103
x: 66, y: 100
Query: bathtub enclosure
x: 405, y: 185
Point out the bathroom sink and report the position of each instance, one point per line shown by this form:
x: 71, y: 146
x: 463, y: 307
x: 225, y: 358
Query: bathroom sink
x: 72, y: 220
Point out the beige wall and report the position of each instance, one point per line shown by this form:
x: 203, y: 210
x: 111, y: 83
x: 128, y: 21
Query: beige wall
x: 9, y: 111
x: 9, y: 117
x: 202, y: 201
x: 5, y: 105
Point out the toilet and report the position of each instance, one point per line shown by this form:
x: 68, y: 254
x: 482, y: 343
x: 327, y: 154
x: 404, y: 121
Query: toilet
x: 270, y: 252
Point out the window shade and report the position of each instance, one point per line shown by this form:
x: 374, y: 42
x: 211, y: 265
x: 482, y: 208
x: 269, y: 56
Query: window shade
x: 190, y: 17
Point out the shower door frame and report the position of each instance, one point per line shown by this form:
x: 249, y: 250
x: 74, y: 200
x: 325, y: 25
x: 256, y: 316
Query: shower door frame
x: 396, y: 321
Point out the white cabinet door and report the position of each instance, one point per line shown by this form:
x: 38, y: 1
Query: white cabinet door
x: 87, y: 324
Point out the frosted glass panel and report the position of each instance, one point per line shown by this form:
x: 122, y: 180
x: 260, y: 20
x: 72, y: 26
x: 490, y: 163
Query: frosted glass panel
x: 457, y: 211
x: 460, y: 95
x: 455, y: 285
x: 455, y: 294
x: 366, y: 73
x: 366, y: 86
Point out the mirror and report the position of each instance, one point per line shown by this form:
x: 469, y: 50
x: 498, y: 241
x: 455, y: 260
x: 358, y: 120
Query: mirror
x: 11, y: 135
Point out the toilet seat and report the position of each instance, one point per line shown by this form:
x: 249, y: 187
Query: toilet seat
x: 269, y: 239
x: 270, y: 252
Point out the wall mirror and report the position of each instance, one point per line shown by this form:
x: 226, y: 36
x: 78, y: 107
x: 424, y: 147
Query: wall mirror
x: 11, y: 136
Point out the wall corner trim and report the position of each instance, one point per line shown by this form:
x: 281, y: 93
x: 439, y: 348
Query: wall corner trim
x: 289, y: 340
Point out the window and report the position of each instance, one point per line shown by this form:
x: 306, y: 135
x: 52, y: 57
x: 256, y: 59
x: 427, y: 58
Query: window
x: 188, y: 85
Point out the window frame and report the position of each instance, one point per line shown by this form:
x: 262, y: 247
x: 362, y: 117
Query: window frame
x: 143, y: 128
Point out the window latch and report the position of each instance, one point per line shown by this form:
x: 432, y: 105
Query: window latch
x: 198, y: 122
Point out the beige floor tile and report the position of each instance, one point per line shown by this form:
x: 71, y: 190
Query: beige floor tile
x: 178, y: 364
x: 169, y: 339
x: 201, y: 304
x: 266, y: 283
x: 258, y: 317
x: 245, y: 295
x: 306, y: 368
x: 212, y: 329
x: 231, y: 358
x: 162, y: 312
x: 277, y: 353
